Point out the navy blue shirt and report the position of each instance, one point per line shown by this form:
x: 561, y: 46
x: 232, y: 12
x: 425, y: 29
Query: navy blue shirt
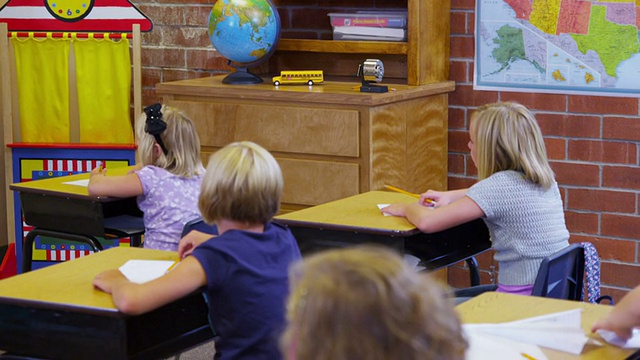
x: 247, y: 287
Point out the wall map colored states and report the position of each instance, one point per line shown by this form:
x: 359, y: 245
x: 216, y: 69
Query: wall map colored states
x: 579, y: 45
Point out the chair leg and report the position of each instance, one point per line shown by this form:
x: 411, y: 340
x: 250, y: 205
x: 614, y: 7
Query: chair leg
x: 474, y: 274
x: 27, y: 251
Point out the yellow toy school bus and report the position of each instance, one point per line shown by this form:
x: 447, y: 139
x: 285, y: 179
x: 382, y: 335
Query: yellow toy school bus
x: 308, y: 77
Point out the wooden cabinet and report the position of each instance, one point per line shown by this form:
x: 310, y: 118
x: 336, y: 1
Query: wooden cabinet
x: 331, y: 140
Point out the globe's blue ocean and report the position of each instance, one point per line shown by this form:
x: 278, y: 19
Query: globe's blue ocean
x: 244, y: 31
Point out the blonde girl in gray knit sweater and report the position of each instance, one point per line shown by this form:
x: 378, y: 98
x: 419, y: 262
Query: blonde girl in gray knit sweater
x: 516, y: 195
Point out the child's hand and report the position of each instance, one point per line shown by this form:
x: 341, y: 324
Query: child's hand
x: 434, y: 198
x: 191, y: 241
x: 623, y: 332
x: 394, y: 209
x: 106, y: 280
x: 98, y: 171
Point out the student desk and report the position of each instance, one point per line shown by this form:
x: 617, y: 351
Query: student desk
x: 55, y: 313
x: 57, y: 209
x: 357, y: 219
x: 494, y: 307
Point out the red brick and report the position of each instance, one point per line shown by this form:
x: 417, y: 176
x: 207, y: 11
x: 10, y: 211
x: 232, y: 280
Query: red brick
x: 164, y: 14
x: 464, y: 95
x: 623, y: 177
x: 457, y: 118
x: 455, y: 183
x: 603, y: 105
x: 616, y: 274
x: 472, y: 170
x: 601, y: 200
x: 206, y: 59
x: 616, y: 294
x: 569, y: 125
x: 621, y: 226
x: 162, y: 57
x: 173, y: 75
x: 458, y: 141
x: 462, y: 47
x: 151, y: 38
x: 610, y: 249
x: 621, y: 128
x: 537, y: 101
x: 576, y: 174
x: 456, y: 164
x: 471, y: 23
x: 463, y: 4
x: 603, y: 151
x: 197, y: 15
x: 458, y: 71
x: 151, y: 76
x: 186, y: 37
x: 556, y: 148
x: 579, y: 222
x: 458, y: 22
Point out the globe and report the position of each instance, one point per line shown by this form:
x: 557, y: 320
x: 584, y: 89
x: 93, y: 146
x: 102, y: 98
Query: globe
x: 245, y: 32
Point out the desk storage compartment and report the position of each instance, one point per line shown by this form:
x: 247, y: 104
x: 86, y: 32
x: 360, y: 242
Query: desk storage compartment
x: 301, y: 130
x: 63, y: 214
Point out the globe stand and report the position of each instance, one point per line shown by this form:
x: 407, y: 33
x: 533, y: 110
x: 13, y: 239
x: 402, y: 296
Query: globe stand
x: 242, y: 76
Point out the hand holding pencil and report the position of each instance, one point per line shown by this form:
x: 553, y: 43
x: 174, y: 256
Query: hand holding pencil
x: 424, y: 200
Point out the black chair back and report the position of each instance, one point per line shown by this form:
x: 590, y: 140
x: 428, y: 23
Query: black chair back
x: 200, y: 225
x: 561, y: 275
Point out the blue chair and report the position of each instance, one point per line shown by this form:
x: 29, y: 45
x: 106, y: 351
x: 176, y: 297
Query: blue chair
x: 199, y: 225
x: 560, y: 276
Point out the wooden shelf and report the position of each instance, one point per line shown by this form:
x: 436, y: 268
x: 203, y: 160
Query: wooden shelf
x: 346, y: 47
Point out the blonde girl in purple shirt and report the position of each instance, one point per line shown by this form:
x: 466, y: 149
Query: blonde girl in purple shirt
x: 167, y: 178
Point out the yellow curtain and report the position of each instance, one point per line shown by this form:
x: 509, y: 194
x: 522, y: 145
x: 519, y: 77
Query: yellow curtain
x: 42, y: 66
x: 103, y: 71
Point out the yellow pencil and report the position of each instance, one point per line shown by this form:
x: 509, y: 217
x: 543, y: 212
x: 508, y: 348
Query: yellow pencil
x: 527, y: 356
x: 393, y: 188
x: 175, y: 263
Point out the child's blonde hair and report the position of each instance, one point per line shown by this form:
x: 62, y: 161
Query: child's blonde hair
x: 243, y: 182
x: 364, y: 302
x: 507, y: 137
x: 179, y: 139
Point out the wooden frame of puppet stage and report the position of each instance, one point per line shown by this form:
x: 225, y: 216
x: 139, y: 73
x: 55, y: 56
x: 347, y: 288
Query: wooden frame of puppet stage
x: 11, y: 121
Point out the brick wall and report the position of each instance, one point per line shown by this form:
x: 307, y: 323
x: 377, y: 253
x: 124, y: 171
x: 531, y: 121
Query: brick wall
x: 593, y: 147
x: 592, y: 141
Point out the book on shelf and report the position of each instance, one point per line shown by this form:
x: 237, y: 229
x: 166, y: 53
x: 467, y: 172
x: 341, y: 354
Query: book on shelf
x: 368, y: 33
x: 370, y: 19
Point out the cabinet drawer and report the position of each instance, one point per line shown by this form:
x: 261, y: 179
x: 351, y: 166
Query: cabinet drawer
x: 301, y: 130
x: 308, y: 182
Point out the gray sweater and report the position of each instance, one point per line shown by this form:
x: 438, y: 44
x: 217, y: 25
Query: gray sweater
x: 526, y: 223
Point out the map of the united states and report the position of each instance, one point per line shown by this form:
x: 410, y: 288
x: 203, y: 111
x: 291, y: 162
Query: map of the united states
x: 559, y: 45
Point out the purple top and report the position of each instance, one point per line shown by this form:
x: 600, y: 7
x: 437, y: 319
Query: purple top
x: 168, y: 202
x: 515, y: 289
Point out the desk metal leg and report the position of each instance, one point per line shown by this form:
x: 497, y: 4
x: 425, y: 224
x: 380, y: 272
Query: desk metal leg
x: 474, y: 274
x: 27, y: 250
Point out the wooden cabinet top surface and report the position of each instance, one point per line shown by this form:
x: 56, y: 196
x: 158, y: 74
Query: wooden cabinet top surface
x: 331, y: 92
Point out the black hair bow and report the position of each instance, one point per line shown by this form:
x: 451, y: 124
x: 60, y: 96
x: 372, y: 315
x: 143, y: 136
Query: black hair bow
x: 154, y: 124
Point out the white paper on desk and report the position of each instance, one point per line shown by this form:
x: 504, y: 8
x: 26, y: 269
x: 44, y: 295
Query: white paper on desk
x: 83, y: 182
x: 141, y: 271
x: 483, y: 346
x: 380, y: 206
x: 613, y: 339
x: 560, y: 331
